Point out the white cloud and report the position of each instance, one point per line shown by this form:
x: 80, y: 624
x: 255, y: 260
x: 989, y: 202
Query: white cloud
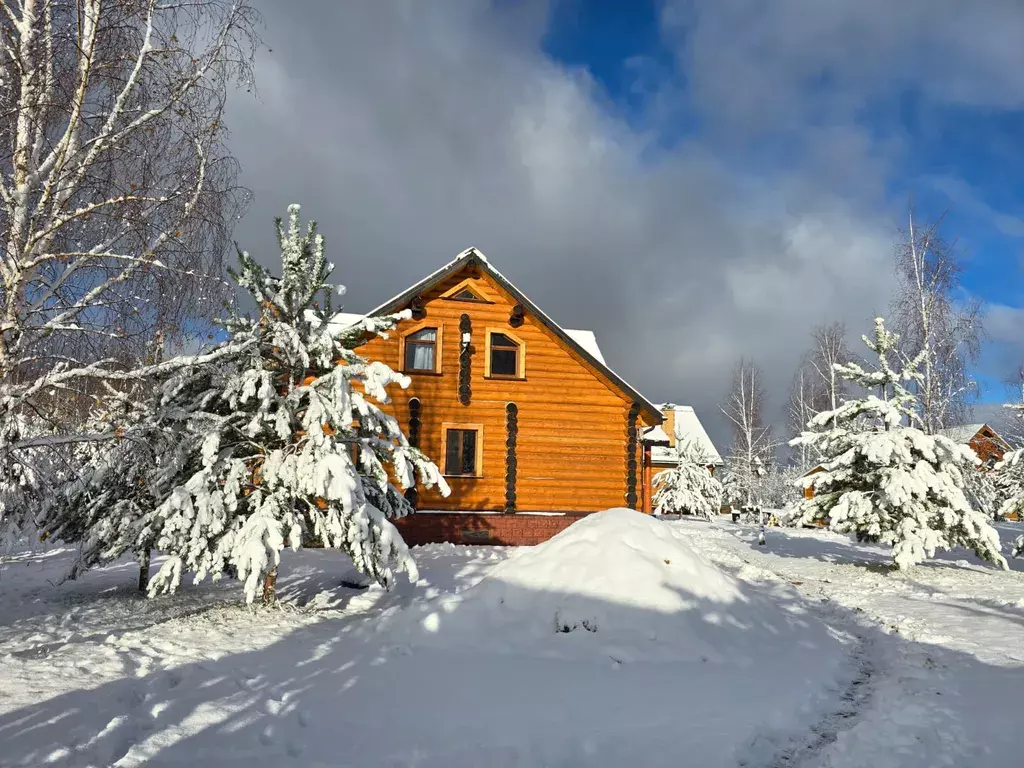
x: 413, y: 130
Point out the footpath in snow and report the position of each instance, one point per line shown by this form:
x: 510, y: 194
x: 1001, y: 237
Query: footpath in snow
x: 623, y: 641
x: 941, y: 649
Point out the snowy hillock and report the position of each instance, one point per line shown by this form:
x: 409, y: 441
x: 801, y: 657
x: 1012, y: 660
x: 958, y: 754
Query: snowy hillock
x: 616, y: 584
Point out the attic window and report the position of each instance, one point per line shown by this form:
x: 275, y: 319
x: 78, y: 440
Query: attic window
x: 466, y: 295
x: 505, y: 357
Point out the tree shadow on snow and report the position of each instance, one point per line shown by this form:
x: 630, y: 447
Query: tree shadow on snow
x: 444, y: 683
x: 834, y: 548
x: 977, y: 608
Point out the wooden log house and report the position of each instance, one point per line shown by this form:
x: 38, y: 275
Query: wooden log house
x: 529, y: 425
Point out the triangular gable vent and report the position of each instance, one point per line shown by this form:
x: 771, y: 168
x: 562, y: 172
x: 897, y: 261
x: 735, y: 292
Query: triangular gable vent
x: 466, y: 291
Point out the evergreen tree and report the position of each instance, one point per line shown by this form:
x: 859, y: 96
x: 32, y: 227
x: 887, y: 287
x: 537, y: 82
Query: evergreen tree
x: 1009, y: 475
x: 777, y: 488
x: 276, y: 442
x: 688, y: 487
x: 1009, y: 481
x: 101, y: 507
x: 887, y: 481
x: 21, y: 489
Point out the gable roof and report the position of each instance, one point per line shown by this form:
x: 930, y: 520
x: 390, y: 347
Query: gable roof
x: 964, y: 433
x: 582, y: 342
x: 687, y: 427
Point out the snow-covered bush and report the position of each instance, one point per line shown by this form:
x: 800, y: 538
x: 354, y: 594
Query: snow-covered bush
x: 277, y: 441
x: 689, y: 487
x: 887, y: 482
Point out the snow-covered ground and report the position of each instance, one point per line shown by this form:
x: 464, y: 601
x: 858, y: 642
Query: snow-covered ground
x: 623, y: 641
x: 942, y: 648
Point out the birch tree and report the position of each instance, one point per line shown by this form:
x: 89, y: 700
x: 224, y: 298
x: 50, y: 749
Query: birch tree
x: 828, y: 350
x: 117, y: 191
x: 752, y: 446
x: 117, y: 197
x: 930, y: 319
x: 801, y: 410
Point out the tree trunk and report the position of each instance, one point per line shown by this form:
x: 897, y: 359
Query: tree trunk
x: 270, y: 587
x: 144, y: 571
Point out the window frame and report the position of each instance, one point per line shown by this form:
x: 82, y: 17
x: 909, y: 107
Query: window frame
x: 520, y: 374
x: 478, y: 459
x: 404, y: 343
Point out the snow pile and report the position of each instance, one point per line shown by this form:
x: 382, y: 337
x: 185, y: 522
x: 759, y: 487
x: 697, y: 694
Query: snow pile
x: 615, y: 584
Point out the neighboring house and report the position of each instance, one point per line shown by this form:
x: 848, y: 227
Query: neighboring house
x: 529, y: 425
x: 984, y: 440
x: 680, y: 423
x: 809, y: 489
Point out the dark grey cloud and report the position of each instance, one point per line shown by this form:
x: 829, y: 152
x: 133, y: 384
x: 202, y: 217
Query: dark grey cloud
x: 411, y: 131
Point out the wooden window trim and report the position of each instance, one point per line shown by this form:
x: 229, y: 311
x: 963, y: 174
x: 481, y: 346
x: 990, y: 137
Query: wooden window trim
x: 478, y: 460
x: 520, y: 359
x: 469, y: 284
x: 438, y: 347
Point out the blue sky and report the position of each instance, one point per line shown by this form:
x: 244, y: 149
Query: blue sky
x: 961, y: 160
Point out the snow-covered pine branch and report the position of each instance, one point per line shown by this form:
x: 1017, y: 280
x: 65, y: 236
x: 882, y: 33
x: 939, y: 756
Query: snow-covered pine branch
x: 689, y: 487
x: 888, y: 482
x: 280, y: 442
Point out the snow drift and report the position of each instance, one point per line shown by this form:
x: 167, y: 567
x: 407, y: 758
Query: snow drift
x: 619, y: 584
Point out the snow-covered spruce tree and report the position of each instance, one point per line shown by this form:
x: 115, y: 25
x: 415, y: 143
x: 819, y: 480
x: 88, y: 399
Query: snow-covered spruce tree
x: 1008, y: 474
x: 273, y: 445
x: 778, y: 488
x: 885, y: 481
x: 101, y: 507
x: 688, y: 487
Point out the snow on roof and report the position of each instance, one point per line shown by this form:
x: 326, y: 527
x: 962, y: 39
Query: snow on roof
x: 655, y: 435
x: 962, y: 433
x: 339, y: 321
x: 434, y: 275
x: 588, y: 341
x: 345, y: 319
x: 687, y: 427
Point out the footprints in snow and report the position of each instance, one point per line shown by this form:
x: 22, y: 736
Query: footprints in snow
x: 278, y: 709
